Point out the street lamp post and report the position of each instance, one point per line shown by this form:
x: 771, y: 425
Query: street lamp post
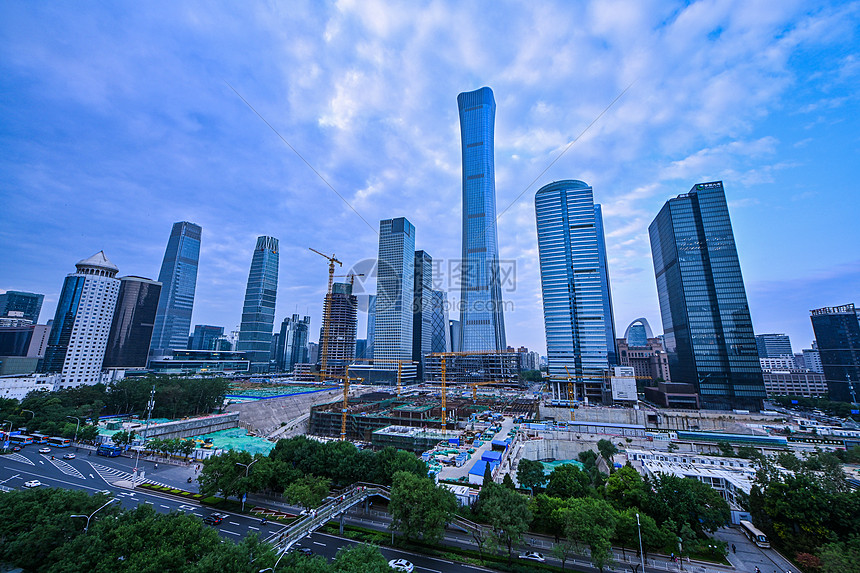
x: 247, y: 468
x: 641, y: 553
x: 77, y: 427
x: 31, y: 411
x: 88, y: 517
x: 6, y: 441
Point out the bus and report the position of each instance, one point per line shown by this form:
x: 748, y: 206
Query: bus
x: 59, y: 442
x: 21, y: 440
x: 108, y: 451
x: 754, y: 534
x: 39, y: 438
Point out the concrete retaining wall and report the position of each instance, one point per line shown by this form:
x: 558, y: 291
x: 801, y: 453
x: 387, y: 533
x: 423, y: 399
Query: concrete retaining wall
x: 266, y: 416
x: 191, y: 427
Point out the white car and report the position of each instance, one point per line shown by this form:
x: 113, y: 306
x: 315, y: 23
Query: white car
x: 45, y: 450
x: 533, y: 556
x: 401, y: 565
x: 68, y: 456
x: 32, y: 483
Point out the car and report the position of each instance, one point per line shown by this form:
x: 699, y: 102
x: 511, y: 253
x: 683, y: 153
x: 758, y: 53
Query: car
x: 44, y: 450
x: 401, y: 565
x: 214, y: 519
x: 533, y: 556
x: 32, y: 483
x: 16, y: 448
x: 68, y: 456
x: 304, y: 551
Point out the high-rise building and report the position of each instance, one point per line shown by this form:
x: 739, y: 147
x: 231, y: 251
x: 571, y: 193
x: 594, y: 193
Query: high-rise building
x: 642, y: 351
x: 204, y: 337
x: 482, y: 320
x: 440, y: 338
x: 371, y: 326
x: 606, y: 291
x: 575, y: 287
x: 773, y: 345
x: 133, y: 321
x: 341, y: 308
x: 294, y: 342
x: 313, y: 353
x: 258, y: 313
x: 454, y: 334
x: 178, y: 277
x: 392, y: 339
x: 422, y: 308
x: 708, y: 332
x: 27, y: 303
x: 837, y: 333
x: 810, y: 359
x: 82, y: 322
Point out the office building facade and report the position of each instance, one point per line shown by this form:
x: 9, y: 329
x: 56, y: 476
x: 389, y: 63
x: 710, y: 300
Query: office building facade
x: 837, y: 334
x: 204, y: 337
x: 422, y: 307
x: 258, y: 312
x: 440, y: 339
x: 708, y: 332
x: 178, y: 278
x: 294, y: 342
x: 133, y: 320
x: 773, y: 345
x: 341, y: 308
x: 574, y: 283
x: 29, y: 304
x: 82, y: 322
x: 482, y: 320
x: 392, y: 339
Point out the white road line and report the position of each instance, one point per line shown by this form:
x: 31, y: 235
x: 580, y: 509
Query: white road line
x: 198, y: 514
x: 318, y: 543
x: 164, y: 506
x: 149, y: 502
x: 92, y: 476
x: 233, y: 523
x: 254, y: 528
x: 230, y: 532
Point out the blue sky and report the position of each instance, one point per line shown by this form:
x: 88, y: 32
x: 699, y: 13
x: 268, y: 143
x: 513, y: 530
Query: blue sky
x: 117, y: 120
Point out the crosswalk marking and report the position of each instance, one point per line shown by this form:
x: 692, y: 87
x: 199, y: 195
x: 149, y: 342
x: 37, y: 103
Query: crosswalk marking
x: 113, y: 475
x: 67, y: 469
x: 20, y: 458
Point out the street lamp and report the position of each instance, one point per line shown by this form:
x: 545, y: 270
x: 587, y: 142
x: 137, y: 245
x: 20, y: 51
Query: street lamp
x: 641, y: 553
x: 247, y: 469
x: 76, y: 427
x: 88, y: 517
x: 31, y: 411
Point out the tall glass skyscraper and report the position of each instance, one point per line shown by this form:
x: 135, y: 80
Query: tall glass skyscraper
x: 133, y: 320
x: 258, y: 314
x: 27, y: 303
x: 422, y: 307
x: 293, y: 342
x: 708, y: 333
x: 178, y: 278
x: 482, y: 320
x: 392, y: 339
x: 577, y: 305
x: 837, y: 334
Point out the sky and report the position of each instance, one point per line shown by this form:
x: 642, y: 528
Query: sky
x: 311, y: 121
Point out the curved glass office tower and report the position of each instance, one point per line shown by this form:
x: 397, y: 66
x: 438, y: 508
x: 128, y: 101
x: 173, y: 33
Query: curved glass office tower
x: 258, y: 314
x: 482, y: 321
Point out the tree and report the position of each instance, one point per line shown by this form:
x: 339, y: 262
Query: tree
x: 361, y: 557
x: 507, y: 512
x: 187, y: 447
x: 627, y: 531
x: 88, y: 433
x: 567, y: 481
x: 123, y: 437
x: 726, y: 449
x: 508, y: 481
x: 841, y: 557
x: 687, y: 500
x: 419, y: 509
x: 592, y: 522
x: 607, y: 449
x: 308, y: 491
x: 563, y: 550
x: 625, y: 488
x: 530, y: 474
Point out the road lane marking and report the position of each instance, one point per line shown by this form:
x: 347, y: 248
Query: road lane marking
x: 164, y: 506
x: 233, y: 523
x: 254, y: 528
x: 230, y: 532
x: 20, y: 458
x: 318, y: 543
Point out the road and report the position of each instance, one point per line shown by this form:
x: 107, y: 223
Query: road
x: 96, y: 474
x: 747, y: 555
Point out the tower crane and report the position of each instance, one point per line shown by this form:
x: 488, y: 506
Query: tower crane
x: 332, y: 260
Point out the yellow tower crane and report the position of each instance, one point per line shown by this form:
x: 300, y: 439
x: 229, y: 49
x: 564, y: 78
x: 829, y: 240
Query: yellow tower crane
x: 332, y: 260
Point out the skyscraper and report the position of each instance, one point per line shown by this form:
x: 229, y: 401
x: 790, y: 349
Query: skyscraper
x: 371, y: 325
x: 392, y: 340
x: 422, y: 307
x: 482, y: 321
x: 204, y: 337
x: 440, y: 339
x: 258, y: 313
x: 27, y: 303
x: 837, y: 334
x: 178, y: 277
x: 708, y: 333
x: 606, y: 291
x: 133, y: 321
x: 294, y: 342
x: 773, y: 345
x: 341, y: 307
x: 575, y: 287
x: 82, y: 323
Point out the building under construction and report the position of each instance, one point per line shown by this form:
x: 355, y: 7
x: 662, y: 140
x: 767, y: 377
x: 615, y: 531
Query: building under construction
x: 370, y: 412
x: 341, y: 310
x: 473, y: 367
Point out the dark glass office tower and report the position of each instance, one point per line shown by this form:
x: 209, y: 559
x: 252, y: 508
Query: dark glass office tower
x: 837, y: 333
x: 482, y: 320
x: 133, y: 321
x: 28, y: 303
x: 204, y: 337
x: 258, y: 314
x: 606, y: 291
x: 178, y: 278
x: 293, y: 342
x: 707, y: 328
x: 422, y: 308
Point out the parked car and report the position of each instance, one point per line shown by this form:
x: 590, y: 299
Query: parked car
x: 32, y: 483
x: 401, y: 565
x: 68, y: 456
x: 533, y: 556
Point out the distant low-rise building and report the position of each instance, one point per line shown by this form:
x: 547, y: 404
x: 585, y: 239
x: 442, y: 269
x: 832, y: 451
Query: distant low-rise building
x: 17, y: 387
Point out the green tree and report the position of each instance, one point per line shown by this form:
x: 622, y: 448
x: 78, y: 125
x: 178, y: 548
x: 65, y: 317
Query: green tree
x: 508, y: 481
x: 841, y: 557
x: 187, y: 447
x: 88, y: 433
x: 567, y: 481
x: 592, y: 522
x: 362, y: 557
x: 123, y: 437
x: 507, y: 512
x: 607, y: 450
x: 563, y: 550
x: 530, y: 474
x: 308, y: 491
x: 625, y: 488
x: 419, y: 509
x: 687, y: 500
x: 726, y: 449
x: 627, y: 531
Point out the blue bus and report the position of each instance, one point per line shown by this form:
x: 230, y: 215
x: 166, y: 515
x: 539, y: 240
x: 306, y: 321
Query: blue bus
x: 58, y: 442
x: 108, y: 451
x: 39, y: 438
